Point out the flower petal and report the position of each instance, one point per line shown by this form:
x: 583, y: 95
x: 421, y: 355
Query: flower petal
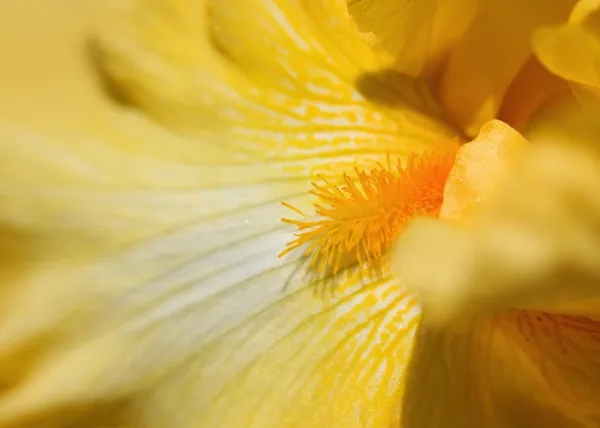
x: 533, y: 90
x: 492, y: 52
x: 530, y: 252
x: 447, y: 384
x: 171, y: 333
x: 517, y: 369
x: 530, y: 244
x: 411, y: 35
x: 143, y: 286
x: 479, y: 167
x: 288, y: 75
x: 572, y: 51
x: 453, y: 288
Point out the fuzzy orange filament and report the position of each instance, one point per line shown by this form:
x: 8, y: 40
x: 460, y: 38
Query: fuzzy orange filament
x: 359, y: 219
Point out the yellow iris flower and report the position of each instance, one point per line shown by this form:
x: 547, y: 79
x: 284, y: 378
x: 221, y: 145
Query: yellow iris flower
x: 148, y: 146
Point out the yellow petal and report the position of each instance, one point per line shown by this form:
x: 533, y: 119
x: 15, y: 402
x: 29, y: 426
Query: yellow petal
x: 242, y: 125
x: 517, y: 369
x: 479, y: 166
x: 572, y: 51
x: 411, y: 35
x: 533, y: 90
x: 533, y: 252
x: 492, y: 52
x: 448, y: 379
x: 143, y: 286
x: 530, y: 244
x: 278, y: 67
x: 452, y: 288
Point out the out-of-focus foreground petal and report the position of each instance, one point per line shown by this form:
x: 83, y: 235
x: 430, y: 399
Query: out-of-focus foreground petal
x: 572, y: 50
x: 513, y: 300
x: 480, y: 167
x: 412, y: 35
x: 532, y: 244
x: 471, y: 49
x: 450, y: 360
x: 142, y: 285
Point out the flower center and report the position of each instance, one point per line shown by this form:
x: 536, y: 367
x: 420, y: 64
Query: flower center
x: 358, y: 220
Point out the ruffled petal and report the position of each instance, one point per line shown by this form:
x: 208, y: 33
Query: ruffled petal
x: 276, y: 68
x: 412, y: 35
x: 492, y: 52
x: 572, y: 51
x: 143, y: 286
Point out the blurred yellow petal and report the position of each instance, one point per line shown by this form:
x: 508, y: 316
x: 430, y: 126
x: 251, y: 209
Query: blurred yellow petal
x: 517, y: 369
x: 479, y: 166
x: 411, y: 35
x: 533, y: 243
x: 510, y: 275
x: 491, y: 53
x: 144, y: 287
x: 572, y: 51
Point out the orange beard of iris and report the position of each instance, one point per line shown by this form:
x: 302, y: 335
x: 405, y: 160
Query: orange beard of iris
x: 359, y: 219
